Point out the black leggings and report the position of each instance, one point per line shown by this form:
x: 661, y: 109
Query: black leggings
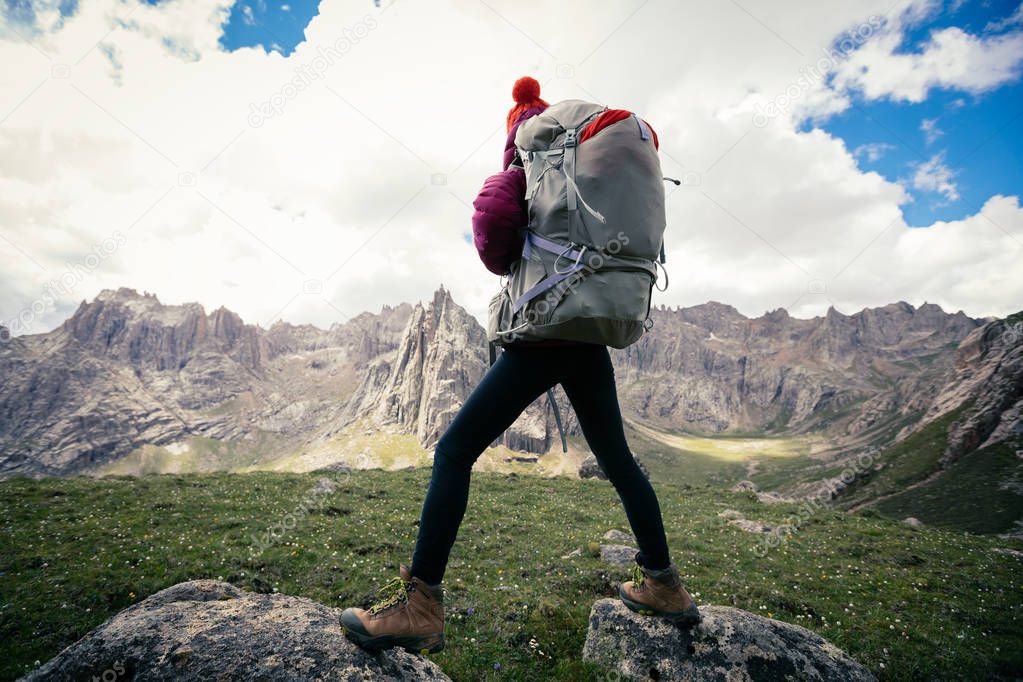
x: 520, y: 375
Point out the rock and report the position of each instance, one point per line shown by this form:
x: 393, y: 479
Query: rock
x: 209, y: 630
x: 619, y: 537
x: 323, y: 486
x: 574, y: 553
x: 766, y: 497
x: 738, y: 519
x: 773, y: 498
x: 589, y: 468
x: 618, y: 555
x: 751, y: 526
x: 913, y: 521
x: 1010, y: 552
x: 729, y: 644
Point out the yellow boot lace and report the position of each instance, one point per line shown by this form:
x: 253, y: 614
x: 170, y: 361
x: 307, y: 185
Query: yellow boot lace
x: 637, y: 575
x: 394, y: 591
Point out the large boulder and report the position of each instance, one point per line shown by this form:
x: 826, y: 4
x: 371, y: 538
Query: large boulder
x: 729, y: 644
x: 210, y: 630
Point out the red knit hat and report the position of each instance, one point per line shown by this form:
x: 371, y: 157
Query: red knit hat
x: 526, y: 93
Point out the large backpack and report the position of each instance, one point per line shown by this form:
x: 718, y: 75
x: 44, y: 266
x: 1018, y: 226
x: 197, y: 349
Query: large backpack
x: 595, y: 231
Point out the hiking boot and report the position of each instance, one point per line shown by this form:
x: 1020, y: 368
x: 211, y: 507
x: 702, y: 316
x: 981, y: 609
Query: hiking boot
x: 409, y: 615
x: 659, y: 593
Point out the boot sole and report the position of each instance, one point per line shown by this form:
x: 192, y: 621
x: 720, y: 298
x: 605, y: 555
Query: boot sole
x: 427, y: 644
x: 687, y: 618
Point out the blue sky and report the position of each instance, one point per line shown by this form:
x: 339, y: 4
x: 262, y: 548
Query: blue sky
x: 978, y: 137
x: 273, y: 25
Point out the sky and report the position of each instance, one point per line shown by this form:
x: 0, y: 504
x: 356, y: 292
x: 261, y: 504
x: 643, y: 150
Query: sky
x: 306, y: 162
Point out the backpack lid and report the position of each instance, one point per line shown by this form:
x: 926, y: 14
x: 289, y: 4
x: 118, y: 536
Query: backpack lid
x: 539, y: 132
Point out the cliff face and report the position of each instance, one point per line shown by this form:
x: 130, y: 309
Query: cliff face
x: 420, y: 386
x: 126, y: 370
x: 708, y: 368
x: 988, y: 380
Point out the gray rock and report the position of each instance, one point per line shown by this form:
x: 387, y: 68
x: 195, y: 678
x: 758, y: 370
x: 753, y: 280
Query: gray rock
x: 913, y: 521
x: 618, y: 555
x: 324, y: 486
x: 589, y: 468
x: 738, y: 519
x: 742, y: 486
x: 730, y: 644
x: 574, y: 553
x: 210, y: 630
x: 619, y: 537
x: 751, y: 526
x: 773, y: 498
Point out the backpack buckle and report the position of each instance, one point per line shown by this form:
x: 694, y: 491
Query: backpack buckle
x: 570, y: 137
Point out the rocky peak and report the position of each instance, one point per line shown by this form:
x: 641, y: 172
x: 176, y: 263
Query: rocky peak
x: 711, y: 315
x: 437, y: 362
x: 147, y: 334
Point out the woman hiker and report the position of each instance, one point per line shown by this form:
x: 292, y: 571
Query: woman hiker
x: 411, y: 612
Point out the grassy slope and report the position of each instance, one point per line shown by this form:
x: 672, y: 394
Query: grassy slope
x: 911, y: 604
x: 906, y: 462
x: 967, y: 496
x: 719, y: 461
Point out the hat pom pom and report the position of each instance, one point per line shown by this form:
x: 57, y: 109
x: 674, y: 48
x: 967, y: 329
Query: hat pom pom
x: 526, y: 89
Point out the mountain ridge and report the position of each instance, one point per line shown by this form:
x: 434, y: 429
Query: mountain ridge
x: 126, y: 371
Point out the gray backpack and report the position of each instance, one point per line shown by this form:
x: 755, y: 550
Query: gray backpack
x: 595, y: 231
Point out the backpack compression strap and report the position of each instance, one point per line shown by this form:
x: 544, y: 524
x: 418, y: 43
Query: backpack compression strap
x: 534, y: 240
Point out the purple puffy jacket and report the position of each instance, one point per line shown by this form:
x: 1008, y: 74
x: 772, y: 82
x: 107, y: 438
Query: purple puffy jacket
x: 500, y: 209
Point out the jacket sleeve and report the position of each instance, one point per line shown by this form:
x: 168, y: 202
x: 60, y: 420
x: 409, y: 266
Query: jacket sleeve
x: 499, y: 218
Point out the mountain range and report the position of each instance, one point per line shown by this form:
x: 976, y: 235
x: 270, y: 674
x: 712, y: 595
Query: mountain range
x: 174, y: 387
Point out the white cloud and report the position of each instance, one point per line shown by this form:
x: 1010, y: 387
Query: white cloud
x: 929, y: 127
x: 336, y: 186
x: 934, y: 176
x: 1014, y: 19
x: 950, y: 59
x: 873, y: 151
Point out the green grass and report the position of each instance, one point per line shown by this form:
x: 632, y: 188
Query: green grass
x: 906, y: 462
x: 967, y: 495
x: 719, y: 461
x: 910, y: 604
x: 195, y: 454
